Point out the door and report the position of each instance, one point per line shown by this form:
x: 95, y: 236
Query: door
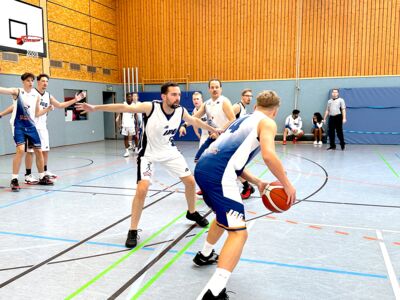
x: 110, y: 130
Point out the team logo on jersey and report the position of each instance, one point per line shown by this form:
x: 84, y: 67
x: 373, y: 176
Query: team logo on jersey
x: 170, y: 131
x: 148, y: 170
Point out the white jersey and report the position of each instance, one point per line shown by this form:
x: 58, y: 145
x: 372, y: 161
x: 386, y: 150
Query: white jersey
x: 204, y: 133
x: 227, y: 157
x: 41, y: 122
x: 215, y: 114
x: 293, y: 123
x: 128, y: 119
x: 242, y: 110
x: 159, y: 130
x: 23, y: 114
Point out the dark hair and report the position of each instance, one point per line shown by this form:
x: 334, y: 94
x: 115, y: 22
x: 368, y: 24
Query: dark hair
x: 318, y: 116
x: 40, y: 76
x: 214, y: 79
x: 128, y: 94
x: 27, y: 75
x: 245, y: 91
x: 166, y: 86
x: 335, y: 89
x: 295, y: 112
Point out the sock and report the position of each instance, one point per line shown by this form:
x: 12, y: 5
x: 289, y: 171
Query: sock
x: 245, y: 185
x: 28, y: 172
x: 14, y: 176
x: 41, y: 175
x: 207, y: 249
x: 45, y: 168
x: 217, y: 282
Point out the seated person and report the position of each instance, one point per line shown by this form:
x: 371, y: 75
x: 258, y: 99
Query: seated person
x: 317, y: 128
x: 293, y: 126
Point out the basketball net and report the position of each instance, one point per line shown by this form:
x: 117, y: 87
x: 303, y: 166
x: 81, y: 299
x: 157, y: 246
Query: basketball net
x: 31, y: 53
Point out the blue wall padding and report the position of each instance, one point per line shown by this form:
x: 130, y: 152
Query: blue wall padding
x: 373, y: 115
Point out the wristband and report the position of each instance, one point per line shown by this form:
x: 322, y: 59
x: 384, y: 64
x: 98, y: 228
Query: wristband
x: 184, y: 125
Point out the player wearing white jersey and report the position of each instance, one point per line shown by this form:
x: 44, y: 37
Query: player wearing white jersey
x: 239, y: 109
x: 127, y: 125
x: 25, y: 110
x: 227, y: 158
x: 161, y: 123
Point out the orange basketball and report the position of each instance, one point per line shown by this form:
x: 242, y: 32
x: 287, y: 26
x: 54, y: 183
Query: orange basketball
x: 275, y: 198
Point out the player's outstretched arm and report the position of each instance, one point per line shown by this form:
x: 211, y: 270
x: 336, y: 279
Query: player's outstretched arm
x: 266, y: 133
x: 7, y: 111
x: 144, y: 107
x: 9, y: 91
x: 58, y: 104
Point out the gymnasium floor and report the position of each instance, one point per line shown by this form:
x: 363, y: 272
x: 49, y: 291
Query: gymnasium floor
x: 342, y: 241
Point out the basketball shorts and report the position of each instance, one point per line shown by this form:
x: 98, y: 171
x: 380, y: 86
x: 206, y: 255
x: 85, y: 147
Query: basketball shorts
x: 44, y: 140
x: 28, y: 135
x: 203, y: 148
x: 298, y: 132
x: 218, y: 196
x: 125, y: 131
x: 177, y: 167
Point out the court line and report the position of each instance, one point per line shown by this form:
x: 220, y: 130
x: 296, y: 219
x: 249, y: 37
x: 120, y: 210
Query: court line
x: 75, y: 245
x: 389, y: 266
x: 62, y: 188
x: 388, y: 165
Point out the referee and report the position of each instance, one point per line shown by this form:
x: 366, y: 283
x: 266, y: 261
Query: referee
x: 336, y: 109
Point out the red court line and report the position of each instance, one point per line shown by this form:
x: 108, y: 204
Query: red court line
x: 315, y: 227
x: 341, y: 232
x: 397, y: 243
x: 291, y: 222
x: 371, y: 238
x: 270, y: 217
x: 251, y: 212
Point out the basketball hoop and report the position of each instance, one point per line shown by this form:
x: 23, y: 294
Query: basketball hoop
x: 28, y: 38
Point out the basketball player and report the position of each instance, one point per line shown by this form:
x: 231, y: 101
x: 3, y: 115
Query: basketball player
x: 161, y: 123
x: 127, y: 125
x: 293, y: 124
x: 219, y: 113
x: 239, y: 109
x: 197, y: 99
x: 227, y: 158
x: 26, y: 109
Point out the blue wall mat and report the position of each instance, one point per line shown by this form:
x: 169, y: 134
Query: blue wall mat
x: 372, y: 115
x: 186, y: 102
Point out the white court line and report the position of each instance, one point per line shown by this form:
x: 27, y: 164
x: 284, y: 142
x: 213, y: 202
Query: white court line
x: 336, y: 226
x: 389, y: 266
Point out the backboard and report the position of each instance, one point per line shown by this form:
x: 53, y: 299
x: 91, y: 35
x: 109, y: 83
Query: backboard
x: 17, y: 19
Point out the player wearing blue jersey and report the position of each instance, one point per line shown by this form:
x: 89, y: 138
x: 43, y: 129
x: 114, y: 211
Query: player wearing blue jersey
x: 216, y: 173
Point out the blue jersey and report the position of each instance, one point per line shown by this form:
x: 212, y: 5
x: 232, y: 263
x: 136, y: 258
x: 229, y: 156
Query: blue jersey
x: 23, y: 115
x: 226, y: 158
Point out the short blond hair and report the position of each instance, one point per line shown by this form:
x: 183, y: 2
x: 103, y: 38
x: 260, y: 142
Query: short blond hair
x: 268, y: 99
x: 197, y: 94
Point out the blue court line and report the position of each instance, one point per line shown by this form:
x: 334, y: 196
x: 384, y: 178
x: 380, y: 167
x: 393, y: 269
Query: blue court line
x: 62, y: 188
x: 254, y: 261
x: 397, y: 155
x: 371, y: 132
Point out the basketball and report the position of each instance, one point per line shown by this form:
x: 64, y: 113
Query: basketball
x: 275, y: 198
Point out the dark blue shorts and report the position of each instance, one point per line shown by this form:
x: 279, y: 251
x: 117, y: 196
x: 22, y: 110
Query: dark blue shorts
x: 203, y: 148
x: 229, y: 213
x: 28, y: 135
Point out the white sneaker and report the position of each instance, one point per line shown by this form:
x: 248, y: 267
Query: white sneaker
x: 130, y: 147
x: 30, y: 179
x: 320, y: 143
x: 126, y: 154
x: 51, y: 175
x: 315, y: 143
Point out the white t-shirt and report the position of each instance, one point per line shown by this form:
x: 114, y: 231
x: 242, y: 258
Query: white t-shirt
x: 215, y: 114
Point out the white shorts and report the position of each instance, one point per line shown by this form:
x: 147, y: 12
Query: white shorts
x: 177, y: 167
x: 298, y: 132
x: 44, y: 140
x: 128, y: 131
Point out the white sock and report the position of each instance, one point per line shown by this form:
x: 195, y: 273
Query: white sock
x: 207, y: 249
x: 41, y: 175
x: 14, y: 176
x: 217, y: 282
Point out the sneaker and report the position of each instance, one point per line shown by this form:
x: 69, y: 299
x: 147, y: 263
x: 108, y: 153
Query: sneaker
x: 221, y: 296
x: 46, y: 180
x: 14, y: 185
x: 199, y: 219
x: 30, y: 179
x: 246, y: 193
x: 320, y: 143
x: 283, y: 142
x: 342, y: 146
x: 199, y: 193
x: 132, y: 238
x: 331, y: 148
x: 126, y: 154
x: 201, y: 260
x: 294, y: 140
x: 315, y: 143
x: 51, y: 175
x: 130, y: 147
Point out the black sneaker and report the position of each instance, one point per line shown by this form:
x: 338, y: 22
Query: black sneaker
x: 201, y: 260
x: 221, y: 296
x: 46, y: 180
x: 343, y: 147
x: 14, y: 185
x: 246, y: 192
x: 132, y: 238
x: 331, y: 148
x: 199, y: 219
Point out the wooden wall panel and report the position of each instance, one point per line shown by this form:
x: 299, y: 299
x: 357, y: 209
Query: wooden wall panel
x: 81, y: 6
x: 66, y: 73
x: 108, y: 3
x: 68, y: 35
x: 104, y: 44
x: 100, y: 59
x: 102, y: 12
x: 34, y: 2
x: 104, y: 29
x: 70, y: 53
x: 67, y: 17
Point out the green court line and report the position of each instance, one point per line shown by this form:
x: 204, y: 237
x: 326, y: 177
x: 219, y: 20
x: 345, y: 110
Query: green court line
x: 168, y: 264
x: 119, y: 261
x: 388, y: 165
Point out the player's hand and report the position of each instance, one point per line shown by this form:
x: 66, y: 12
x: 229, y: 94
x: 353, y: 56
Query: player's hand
x: 214, y: 135
x: 50, y: 107
x: 291, y: 193
x: 261, y: 185
x: 344, y: 120
x: 80, y: 96
x: 182, y: 131
x: 84, y: 107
